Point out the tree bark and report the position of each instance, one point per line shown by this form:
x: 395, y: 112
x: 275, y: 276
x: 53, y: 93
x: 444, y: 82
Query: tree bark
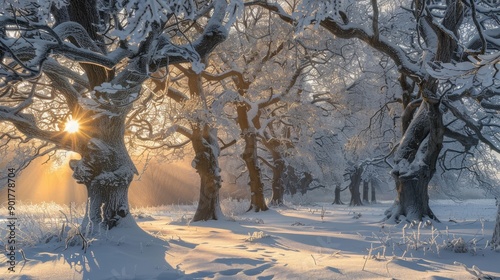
x: 107, y: 199
x: 87, y: 14
x: 495, y: 241
x: 366, y: 187
x: 257, y: 201
x: 412, y: 202
x: 248, y: 128
x: 206, y: 163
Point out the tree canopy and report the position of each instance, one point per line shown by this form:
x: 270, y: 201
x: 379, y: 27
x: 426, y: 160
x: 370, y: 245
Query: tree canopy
x: 298, y: 92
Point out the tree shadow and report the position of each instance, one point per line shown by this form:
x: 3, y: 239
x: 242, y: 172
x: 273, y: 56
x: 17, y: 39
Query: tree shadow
x: 122, y: 253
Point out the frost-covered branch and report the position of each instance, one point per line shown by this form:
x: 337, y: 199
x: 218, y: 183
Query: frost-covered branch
x: 214, y: 33
x: 26, y: 124
x: 348, y: 30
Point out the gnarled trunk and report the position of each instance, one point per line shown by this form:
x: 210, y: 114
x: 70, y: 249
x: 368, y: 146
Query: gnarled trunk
x: 415, y: 161
x: 107, y: 171
x: 417, y: 154
x: 206, y: 163
x: 412, y: 200
x: 257, y: 201
x: 108, y: 199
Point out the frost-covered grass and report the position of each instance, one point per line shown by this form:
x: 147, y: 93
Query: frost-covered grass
x: 234, y: 207
x: 256, y: 235
x: 313, y: 238
x: 424, y: 238
x: 42, y: 223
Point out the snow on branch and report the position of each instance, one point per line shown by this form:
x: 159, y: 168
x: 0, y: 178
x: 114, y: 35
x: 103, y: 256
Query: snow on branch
x: 315, y: 11
x: 341, y: 27
x: 142, y: 13
x: 23, y: 56
x: 76, y: 31
x: 479, y: 71
x: 213, y: 34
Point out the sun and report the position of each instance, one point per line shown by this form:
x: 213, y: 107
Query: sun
x: 72, y: 126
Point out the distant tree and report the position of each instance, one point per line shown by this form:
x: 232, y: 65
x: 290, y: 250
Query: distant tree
x: 88, y: 61
x: 373, y: 198
x: 336, y: 198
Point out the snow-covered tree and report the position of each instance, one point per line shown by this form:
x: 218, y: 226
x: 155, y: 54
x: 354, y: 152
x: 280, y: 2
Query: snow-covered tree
x: 87, y: 61
x: 198, y: 120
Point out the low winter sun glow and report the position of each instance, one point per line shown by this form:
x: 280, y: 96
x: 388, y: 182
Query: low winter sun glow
x: 72, y: 126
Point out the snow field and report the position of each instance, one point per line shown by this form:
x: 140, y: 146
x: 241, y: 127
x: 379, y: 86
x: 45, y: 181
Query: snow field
x: 308, y: 241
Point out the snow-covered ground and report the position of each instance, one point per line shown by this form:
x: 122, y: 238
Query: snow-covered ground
x: 316, y: 241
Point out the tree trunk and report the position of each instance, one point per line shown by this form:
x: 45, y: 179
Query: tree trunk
x: 336, y: 199
x: 305, y: 182
x: 495, y: 241
x: 355, y: 196
x: 373, y: 198
x: 354, y: 185
x: 107, y: 171
x: 279, y: 179
x: 293, y: 180
x: 365, y: 191
x: 416, y: 160
x: 417, y: 154
x: 257, y: 202
x: 412, y: 202
x: 206, y: 163
x: 280, y: 170
x: 107, y: 200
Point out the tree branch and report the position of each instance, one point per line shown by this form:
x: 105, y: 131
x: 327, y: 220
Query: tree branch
x: 350, y: 30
